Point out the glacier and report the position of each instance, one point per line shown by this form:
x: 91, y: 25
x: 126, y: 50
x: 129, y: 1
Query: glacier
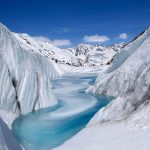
x: 51, y: 127
x: 124, y: 123
x: 127, y: 80
x: 25, y: 78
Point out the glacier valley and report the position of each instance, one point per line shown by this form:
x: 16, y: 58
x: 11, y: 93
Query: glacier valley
x: 50, y: 127
x: 53, y: 98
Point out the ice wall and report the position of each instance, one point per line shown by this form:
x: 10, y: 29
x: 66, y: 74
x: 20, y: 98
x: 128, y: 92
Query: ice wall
x: 24, y: 78
x: 129, y: 82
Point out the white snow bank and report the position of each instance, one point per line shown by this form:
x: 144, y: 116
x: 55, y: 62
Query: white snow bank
x: 109, y: 137
x: 67, y: 69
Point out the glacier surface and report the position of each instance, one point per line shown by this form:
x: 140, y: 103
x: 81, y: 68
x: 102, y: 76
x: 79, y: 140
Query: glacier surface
x: 7, y: 139
x: 25, y: 78
x: 128, y: 81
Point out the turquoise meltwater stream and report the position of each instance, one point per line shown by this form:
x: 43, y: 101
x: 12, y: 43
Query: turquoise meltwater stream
x: 50, y: 127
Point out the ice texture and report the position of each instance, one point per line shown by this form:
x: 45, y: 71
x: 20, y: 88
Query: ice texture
x: 25, y: 78
x: 129, y: 81
x: 7, y: 139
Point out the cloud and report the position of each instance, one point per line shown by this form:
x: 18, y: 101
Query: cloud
x: 123, y: 36
x: 61, y: 42
x: 41, y: 38
x: 56, y: 42
x: 96, y: 38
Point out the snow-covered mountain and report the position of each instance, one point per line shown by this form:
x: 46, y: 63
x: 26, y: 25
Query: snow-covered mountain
x: 128, y: 80
x: 97, y: 55
x: 47, y: 49
x: 81, y: 55
x: 25, y: 78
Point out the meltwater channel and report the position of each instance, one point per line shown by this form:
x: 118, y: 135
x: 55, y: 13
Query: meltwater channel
x: 48, y: 128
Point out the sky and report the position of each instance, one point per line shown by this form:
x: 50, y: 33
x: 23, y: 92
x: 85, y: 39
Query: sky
x: 67, y: 23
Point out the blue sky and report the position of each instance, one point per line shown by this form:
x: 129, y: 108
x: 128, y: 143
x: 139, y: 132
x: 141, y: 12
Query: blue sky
x: 69, y: 22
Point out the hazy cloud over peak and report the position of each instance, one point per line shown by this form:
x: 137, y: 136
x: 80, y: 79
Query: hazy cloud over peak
x: 61, y: 42
x: 123, y: 36
x: 96, y: 38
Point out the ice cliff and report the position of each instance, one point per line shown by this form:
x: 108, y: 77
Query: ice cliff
x: 128, y: 80
x: 25, y: 78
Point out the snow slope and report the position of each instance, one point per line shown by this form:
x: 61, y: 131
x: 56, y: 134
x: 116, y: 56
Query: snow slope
x: 24, y: 78
x: 130, y: 82
x: 119, y: 136
x: 46, y: 49
x: 7, y: 139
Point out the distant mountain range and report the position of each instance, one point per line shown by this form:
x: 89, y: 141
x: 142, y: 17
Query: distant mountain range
x: 81, y: 55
